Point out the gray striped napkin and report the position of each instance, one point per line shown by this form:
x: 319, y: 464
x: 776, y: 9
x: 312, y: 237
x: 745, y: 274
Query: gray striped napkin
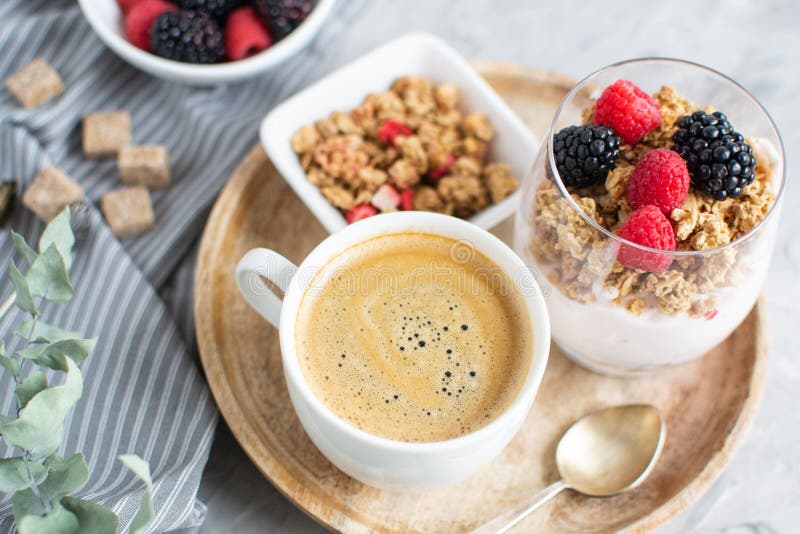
x: 143, y: 391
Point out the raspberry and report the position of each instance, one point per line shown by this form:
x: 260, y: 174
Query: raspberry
x: 391, y: 129
x: 628, y: 110
x: 244, y: 34
x: 140, y: 19
x: 362, y: 211
x: 127, y: 5
x: 442, y: 169
x: 386, y: 198
x: 649, y: 227
x: 407, y: 199
x: 661, y: 179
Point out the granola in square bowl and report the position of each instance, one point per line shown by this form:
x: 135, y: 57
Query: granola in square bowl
x: 411, y: 147
x: 649, y: 218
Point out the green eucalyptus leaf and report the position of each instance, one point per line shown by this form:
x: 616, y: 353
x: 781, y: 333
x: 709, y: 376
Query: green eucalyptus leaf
x: 4, y: 420
x: 48, y: 277
x: 12, y: 365
x: 26, y: 503
x: 59, y: 233
x: 24, y: 299
x: 63, y: 476
x: 58, y: 521
x: 29, y: 387
x: 145, y: 514
x: 40, y: 426
x: 139, y: 467
x: 14, y: 474
x: 43, y: 332
x: 22, y: 247
x: 52, y: 355
x: 32, y: 351
x: 92, y: 518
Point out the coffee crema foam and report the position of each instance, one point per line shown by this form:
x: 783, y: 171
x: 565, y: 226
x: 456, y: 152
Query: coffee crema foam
x: 406, y: 339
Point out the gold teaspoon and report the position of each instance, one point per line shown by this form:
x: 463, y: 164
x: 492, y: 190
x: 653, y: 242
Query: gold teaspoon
x: 603, y: 453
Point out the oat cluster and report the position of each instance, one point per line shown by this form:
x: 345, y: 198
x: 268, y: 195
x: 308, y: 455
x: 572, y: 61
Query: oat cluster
x: 443, y: 160
x: 582, y: 258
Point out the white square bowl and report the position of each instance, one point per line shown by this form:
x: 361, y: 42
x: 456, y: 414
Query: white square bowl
x: 415, y: 55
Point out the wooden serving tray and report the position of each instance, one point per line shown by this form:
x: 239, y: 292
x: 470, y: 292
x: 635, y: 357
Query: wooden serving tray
x: 708, y: 404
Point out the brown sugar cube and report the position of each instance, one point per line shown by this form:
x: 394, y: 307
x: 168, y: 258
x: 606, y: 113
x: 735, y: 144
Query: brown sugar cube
x: 104, y: 133
x: 50, y: 192
x: 128, y: 211
x: 144, y: 165
x: 34, y: 84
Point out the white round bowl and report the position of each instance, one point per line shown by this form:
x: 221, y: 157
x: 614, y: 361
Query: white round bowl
x: 105, y: 18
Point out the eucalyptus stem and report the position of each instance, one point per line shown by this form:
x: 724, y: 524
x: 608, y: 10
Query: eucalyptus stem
x: 19, y: 379
x: 34, y: 486
x: 33, y: 326
x: 26, y: 455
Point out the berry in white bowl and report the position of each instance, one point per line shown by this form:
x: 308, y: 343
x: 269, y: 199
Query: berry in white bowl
x: 206, y: 42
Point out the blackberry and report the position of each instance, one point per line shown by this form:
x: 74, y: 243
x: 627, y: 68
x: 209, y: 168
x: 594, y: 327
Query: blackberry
x: 585, y: 154
x: 281, y: 17
x: 188, y: 36
x: 218, y: 9
x: 719, y: 160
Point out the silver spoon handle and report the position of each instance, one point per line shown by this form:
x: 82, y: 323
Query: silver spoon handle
x: 504, y: 522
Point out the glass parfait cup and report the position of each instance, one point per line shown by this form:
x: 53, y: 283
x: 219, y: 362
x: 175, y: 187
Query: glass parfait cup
x: 617, y: 320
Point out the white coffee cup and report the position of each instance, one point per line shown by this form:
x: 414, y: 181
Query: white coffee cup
x: 376, y: 460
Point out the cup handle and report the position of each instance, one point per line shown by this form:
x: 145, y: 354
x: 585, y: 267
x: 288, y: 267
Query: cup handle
x: 258, y: 263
